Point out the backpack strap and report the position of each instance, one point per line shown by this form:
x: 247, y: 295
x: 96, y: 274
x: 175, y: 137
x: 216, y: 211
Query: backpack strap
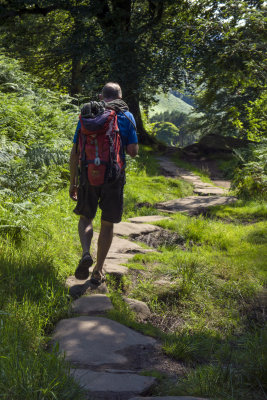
x: 117, y: 108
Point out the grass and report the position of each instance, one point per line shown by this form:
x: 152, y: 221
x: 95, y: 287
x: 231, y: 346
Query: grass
x: 145, y: 185
x: 241, y: 212
x: 208, y: 313
x: 32, y: 299
x: 34, y: 263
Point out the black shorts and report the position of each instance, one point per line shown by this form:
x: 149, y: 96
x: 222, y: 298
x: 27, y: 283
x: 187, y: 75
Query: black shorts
x: 108, y: 197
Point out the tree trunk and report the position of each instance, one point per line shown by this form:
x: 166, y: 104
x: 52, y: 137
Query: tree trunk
x: 134, y: 107
x: 76, y: 85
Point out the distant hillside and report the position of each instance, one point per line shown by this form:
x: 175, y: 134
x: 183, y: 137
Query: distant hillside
x: 169, y: 102
x: 187, y: 99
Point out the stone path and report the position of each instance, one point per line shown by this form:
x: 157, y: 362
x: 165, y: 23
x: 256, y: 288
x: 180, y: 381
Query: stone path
x: 200, y: 188
x: 193, y: 205
x: 107, y: 358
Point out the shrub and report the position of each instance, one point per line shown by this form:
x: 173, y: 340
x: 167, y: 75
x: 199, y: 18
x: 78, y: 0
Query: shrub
x: 250, y: 178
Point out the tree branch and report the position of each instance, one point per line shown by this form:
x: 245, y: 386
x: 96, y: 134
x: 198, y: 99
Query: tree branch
x: 11, y: 13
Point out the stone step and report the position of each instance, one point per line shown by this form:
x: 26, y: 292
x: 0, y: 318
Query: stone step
x: 210, y: 191
x: 124, y: 246
x: 93, y: 304
x: 77, y: 287
x: 147, y: 219
x: 98, y: 341
x: 128, y: 229
x: 112, y: 386
x: 194, y: 204
x: 113, y: 267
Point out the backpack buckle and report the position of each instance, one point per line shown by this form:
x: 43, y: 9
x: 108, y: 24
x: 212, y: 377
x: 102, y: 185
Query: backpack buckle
x: 97, y: 161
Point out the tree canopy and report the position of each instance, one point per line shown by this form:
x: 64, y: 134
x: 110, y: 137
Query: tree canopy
x: 147, y: 46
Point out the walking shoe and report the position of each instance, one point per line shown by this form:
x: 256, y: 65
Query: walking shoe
x: 82, y: 271
x: 97, y: 278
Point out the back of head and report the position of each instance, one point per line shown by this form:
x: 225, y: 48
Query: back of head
x: 111, y: 91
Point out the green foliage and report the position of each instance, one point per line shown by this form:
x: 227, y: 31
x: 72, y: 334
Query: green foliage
x: 166, y: 132
x: 250, y: 178
x: 229, y: 62
x: 36, y: 125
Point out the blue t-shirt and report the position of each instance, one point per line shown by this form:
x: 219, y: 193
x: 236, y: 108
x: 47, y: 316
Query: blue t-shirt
x: 127, y: 130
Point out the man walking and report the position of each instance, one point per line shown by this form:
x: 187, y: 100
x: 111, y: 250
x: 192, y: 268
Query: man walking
x: 108, y: 197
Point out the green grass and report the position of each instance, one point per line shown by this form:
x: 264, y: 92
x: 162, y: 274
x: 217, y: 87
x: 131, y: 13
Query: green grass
x: 241, y: 211
x: 36, y: 255
x: 145, y: 185
x: 32, y: 299
x: 208, y: 306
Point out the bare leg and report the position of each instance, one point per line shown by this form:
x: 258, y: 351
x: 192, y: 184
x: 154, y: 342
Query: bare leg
x: 85, y: 228
x: 104, y: 243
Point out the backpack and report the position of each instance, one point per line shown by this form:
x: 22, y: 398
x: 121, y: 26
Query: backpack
x: 101, y: 150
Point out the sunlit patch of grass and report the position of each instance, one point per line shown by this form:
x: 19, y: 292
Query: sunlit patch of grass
x: 33, y: 298
x: 241, y: 212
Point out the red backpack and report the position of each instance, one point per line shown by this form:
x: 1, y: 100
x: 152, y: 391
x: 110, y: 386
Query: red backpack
x: 101, y: 150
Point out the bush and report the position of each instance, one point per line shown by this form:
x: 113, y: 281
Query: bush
x: 250, y: 178
x: 166, y: 132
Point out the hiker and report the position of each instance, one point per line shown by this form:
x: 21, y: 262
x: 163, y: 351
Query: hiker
x: 89, y: 193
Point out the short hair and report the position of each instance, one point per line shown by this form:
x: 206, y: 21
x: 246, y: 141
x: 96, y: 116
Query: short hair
x: 112, y: 91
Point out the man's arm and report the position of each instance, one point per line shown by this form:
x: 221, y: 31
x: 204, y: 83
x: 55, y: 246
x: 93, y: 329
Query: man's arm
x: 74, y: 160
x: 132, y: 149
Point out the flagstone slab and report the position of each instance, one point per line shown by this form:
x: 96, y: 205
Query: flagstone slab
x: 96, y: 303
x: 114, y: 268
x: 194, y: 204
x: 119, y: 257
x: 78, y: 287
x: 112, y: 383
x: 147, y: 219
x: 127, y: 229
x: 126, y: 246
x: 210, y: 190
x: 96, y: 340
x: 223, y: 183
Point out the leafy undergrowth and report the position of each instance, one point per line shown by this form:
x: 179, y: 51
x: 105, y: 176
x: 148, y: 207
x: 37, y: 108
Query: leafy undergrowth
x: 207, y: 303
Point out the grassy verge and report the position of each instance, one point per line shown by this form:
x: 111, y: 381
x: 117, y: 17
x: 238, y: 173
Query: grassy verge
x: 32, y: 299
x: 241, y: 212
x: 207, y: 299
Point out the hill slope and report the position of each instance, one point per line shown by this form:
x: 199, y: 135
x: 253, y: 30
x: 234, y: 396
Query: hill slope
x: 169, y: 102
